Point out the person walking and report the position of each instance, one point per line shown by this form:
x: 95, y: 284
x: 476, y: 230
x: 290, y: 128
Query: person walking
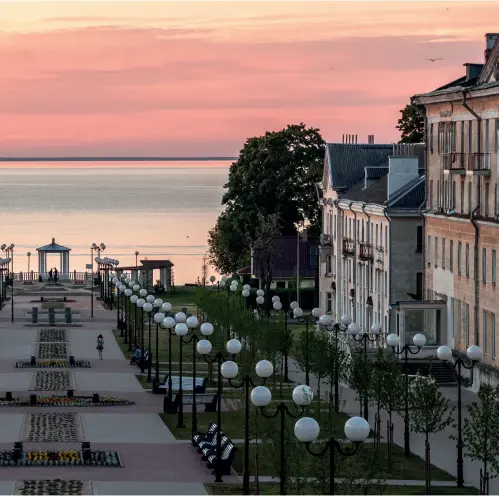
x: 55, y: 274
x: 50, y: 275
x: 100, y: 345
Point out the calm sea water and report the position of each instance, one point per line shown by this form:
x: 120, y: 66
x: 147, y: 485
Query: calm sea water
x: 162, y: 209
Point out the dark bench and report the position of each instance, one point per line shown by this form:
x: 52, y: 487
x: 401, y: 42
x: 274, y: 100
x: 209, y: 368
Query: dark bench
x: 200, y: 436
x: 201, y: 383
x: 208, y: 400
x: 210, y: 447
x: 225, y: 462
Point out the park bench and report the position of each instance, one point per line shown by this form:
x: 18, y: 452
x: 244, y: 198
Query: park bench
x: 186, y: 384
x: 210, y: 448
x: 204, y: 436
x: 225, y: 462
x: 208, y: 400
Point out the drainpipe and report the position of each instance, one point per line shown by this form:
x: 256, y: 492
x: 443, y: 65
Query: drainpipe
x: 369, y: 263
x: 475, y: 225
x: 354, y: 269
x: 422, y: 211
x: 389, y: 272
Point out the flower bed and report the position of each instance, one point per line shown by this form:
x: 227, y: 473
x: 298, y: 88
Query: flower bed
x: 65, y: 458
x: 52, y: 364
x: 52, y: 350
x: 53, y: 487
x: 52, y: 381
x: 75, y: 401
x: 52, y: 335
x: 55, y: 427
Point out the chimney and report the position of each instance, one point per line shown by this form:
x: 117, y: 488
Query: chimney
x: 490, y: 40
x: 402, y: 169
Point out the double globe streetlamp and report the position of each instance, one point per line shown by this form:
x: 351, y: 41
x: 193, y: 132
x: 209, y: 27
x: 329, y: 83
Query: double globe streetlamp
x: 474, y: 355
x: 356, y: 430
x: 393, y: 340
x: 264, y: 369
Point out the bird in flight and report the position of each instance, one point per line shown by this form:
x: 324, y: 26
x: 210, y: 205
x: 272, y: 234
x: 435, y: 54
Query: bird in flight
x: 434, y: 60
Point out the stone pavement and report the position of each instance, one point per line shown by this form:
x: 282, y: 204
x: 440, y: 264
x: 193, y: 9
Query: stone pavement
x: 443, y: 449
x: 153, y: 461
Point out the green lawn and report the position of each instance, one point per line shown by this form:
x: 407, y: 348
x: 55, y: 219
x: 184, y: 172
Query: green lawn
x: 412, y: 468
x: 273, y: 488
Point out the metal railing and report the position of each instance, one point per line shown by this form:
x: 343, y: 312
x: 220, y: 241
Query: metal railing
x: 348, y: 246
x: 366, y: 251
x: 34, y: 276
x: 454, y: 161
x: 479, y: 161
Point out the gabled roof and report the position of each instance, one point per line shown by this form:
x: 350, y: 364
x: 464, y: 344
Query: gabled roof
x: 411, y: 196
x: 53, y: 248
x: 346, y: 162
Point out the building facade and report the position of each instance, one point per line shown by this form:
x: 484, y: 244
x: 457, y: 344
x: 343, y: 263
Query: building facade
x: 372, y: 242
x: 462, y: 203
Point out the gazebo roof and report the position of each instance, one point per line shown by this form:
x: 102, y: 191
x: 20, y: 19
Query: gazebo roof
x: 53, y: 248
x: 155, y: 264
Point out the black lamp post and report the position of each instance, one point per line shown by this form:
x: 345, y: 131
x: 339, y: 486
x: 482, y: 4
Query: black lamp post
x: 474, y: 354
x: 393, y: 340
x: 169, y: 323
x: 119, y: 316
x: 277, y: 305
x: 159, y: 317
x: 128, y: 332
x: 148, y: 308
x: 261, y: 397
x: 133, y: 301
x: 356, y: 430
x: 140, y: 304
x: 264, y: 369
x: 233, y: 348
x: 326, y: 323
x: 364, y: 338
x: 307, y: 320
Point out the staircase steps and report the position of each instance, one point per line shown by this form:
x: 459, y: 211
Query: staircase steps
x: 442, y: 372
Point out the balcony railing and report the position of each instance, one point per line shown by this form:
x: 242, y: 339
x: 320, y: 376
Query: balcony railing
x: 380, y: 257
x: 348, y: 247
x: 479, y: 162
x: 366, y: 251
x: 454, y: 161
x: 325, y: 239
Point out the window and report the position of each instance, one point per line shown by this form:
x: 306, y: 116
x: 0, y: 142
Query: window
x: 419, y: 239
x: 439, y: 203
x: 443, y: 253
x: 334, y: 226
x: 436, y: 252
x: 467, y: 262
x: 462, y: 137
x: 484, y: 264
x: 431, y: 138
x: 386, y: 283
x: 467, y: 324
x: 386, y: 238
x: 419, y: 285
x: 428, y: 250
x: 329, y: 303
x: 459, y: 257
x: 459, y: 321
x: 430, y: 196
x: 451, y: 255
x: 470, y: 208
x: 493, y: 267
x: 493, y: 332
x: 487, y: 135
x: 329, y: 268
x: 486, y: 199
x: 453, y: 195
x: 377, y: 234
x: 452, y: 317
x: 313, y: 256
x: 462, y: 198
x: 280, y: 284
x: 470, y: 136
x: 484, y: 329
x: 381, y: 235
x: 496, y: 212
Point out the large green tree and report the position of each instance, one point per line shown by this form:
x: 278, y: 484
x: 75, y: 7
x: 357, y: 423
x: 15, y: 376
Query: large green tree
x: 275, y: 174
x: 411, y: 124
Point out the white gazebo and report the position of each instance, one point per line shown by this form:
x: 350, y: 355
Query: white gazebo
x: 53, y: 247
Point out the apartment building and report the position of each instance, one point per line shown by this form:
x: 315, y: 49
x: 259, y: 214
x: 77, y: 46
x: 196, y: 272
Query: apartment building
x: 372, y: 241
x: 462, y: 203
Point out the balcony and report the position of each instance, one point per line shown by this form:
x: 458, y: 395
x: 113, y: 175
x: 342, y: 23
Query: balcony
x: 479, y: 164
x: 380, y: 257
x: 348, y: 247
x: 366, y: 252
x: 455, y: 163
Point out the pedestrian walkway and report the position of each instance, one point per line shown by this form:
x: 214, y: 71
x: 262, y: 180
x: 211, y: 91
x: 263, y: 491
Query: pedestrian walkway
x: 153, y: 461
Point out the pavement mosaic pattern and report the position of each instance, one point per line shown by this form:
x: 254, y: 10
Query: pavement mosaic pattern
x: 52, y: 350
x: 52, y: 335
x: 52, y: 427
x: 52, y: 486
x: 52, y: 381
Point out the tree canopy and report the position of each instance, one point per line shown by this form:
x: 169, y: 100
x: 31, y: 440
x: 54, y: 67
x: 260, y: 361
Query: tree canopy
x: 411, y: 124
x: 275, y: 174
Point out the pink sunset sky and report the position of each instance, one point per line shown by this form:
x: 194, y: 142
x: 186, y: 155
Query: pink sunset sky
x: 198, y: 78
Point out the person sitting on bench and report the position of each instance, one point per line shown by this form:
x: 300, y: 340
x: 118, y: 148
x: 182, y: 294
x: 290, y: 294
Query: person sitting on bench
x: 136, y: 355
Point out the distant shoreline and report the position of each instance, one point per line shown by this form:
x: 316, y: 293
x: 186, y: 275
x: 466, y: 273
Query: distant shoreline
x: 115, y: 159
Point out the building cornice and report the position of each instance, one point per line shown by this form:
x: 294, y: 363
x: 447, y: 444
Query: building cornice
x: 454, y: 96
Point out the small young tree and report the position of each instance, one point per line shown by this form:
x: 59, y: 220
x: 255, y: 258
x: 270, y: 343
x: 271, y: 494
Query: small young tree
x: 481, y: 433
x: 360, y: 369
x: 431, y: 414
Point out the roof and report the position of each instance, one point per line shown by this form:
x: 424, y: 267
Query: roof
x: 411, y: 196
x: 244, y: 270
x: 53, y: 248
x: 346, y: 161
x: 284, y: 263
x: 155, y: 264
x: 374, y: 193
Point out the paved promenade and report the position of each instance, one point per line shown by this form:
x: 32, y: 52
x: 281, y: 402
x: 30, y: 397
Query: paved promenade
x: 153, y: 462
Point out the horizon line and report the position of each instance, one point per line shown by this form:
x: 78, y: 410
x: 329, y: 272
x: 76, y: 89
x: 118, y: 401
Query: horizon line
x: 110, y: 159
